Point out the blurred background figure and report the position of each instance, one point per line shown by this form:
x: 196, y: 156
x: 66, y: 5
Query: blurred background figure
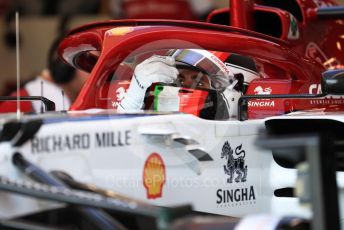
x: 41, y: 21
x: 43, y: 8
x: 58, y: 82
x: 69, y: 79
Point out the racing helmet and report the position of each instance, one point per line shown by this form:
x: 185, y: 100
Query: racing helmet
x: 207, y: 85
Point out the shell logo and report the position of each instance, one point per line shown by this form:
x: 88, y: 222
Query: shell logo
x: 154, y: 176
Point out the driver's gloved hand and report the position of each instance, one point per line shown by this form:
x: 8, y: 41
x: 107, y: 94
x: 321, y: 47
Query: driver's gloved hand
x: 154, y: 69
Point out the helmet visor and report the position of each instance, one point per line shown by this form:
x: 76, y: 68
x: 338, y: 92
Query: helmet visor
x: 205, y: 62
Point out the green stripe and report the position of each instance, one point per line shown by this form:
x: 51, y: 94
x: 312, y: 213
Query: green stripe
x: 158, y: 89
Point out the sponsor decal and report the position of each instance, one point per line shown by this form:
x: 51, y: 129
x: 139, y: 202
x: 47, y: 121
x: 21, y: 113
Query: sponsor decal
x: 315, y: 89
x: 259, y: 90
x: 261, y: 103
x: 112, y: 139
x: 120, y: 93
x: 236, y: 168
x: 119, y: 31
x: 230, y: 197
x: 220, y: 64
x: 154, y: 176
x: 328, y: 100
x: 293, y: 33
x: 234, y: 165
x: 83, y: 141
x: 262, y: 91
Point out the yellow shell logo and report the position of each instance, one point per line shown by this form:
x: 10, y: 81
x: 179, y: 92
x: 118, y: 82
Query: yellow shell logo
x: 154, y: 176
x: 119, y: 31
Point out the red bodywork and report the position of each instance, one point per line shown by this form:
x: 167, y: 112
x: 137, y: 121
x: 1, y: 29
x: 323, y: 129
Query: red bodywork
x: 290, y: 61
x: 11, y: 106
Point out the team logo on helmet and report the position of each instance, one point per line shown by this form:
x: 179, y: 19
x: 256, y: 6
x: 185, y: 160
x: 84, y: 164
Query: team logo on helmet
x: 154, y: 176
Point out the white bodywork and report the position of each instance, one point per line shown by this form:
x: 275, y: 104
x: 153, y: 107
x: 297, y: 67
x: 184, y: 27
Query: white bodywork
x: 111, y: 150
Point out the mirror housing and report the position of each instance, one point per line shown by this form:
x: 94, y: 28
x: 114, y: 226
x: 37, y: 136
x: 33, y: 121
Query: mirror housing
x: 332, y: 82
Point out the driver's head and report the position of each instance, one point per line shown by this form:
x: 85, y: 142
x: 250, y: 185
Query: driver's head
x: 201, y: 69
x: 194, y: 81
x: 190, y: 78
x: 206, y: 84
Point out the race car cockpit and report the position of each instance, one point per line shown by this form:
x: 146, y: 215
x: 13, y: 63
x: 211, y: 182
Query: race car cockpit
x: 195, y: 79
x: 204, y: 83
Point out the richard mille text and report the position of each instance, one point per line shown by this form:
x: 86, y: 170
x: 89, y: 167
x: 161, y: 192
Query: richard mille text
x: 82, y: 141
